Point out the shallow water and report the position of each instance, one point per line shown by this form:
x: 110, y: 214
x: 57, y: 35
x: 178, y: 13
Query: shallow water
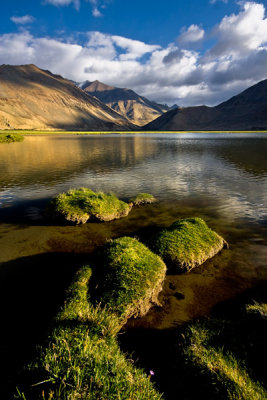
x: 219, y: 177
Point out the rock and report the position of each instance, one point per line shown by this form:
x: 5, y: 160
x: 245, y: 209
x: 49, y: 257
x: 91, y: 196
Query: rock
x: 187, y: 243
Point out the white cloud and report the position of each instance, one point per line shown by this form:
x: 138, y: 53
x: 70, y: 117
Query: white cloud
x: 172, y: 74
x: 25, y: 19
x: 60, y: 3
x: 241, y: 33
x: 193, y: 34
x: 96, y: 13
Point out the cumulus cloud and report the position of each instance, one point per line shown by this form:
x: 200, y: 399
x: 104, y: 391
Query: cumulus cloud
x: 239, y: 34
x: 25, y: 19
x: 173, y: 74
x: 193, y: 34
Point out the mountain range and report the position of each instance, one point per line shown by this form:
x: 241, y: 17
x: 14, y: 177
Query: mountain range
x: 246, y: 111
x: 32, y: 98
x: 137, y: 109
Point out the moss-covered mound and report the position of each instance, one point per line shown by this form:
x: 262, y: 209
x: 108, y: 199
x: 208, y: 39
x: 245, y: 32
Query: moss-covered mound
x: 142, y: 198
x: 80, y: 205
x: 82, y: 359
x: 10, y: 137
x: 133, y: 277
x: 187, y: 243
x: 225, y: 358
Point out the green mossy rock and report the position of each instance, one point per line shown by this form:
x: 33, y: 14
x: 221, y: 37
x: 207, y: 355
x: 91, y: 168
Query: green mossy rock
x: 187, y: 243
x: 133, y: 277
x: 142, y: 198
x: 80, y: 205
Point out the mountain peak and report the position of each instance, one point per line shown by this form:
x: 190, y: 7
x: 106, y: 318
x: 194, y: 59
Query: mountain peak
x: 95, y: 86
x: 135, y: 108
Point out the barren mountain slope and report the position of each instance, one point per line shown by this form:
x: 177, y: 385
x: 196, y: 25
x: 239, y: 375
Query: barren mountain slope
x: 31, y: 98
x: 246, y: 111
x: 135, y: 108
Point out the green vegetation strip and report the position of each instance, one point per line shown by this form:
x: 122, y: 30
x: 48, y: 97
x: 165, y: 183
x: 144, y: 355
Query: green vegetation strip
x: 82, y: 359
x: 10, y: 137
x: 227, y: 356
x: 187, y: 243
x: 53, y: 133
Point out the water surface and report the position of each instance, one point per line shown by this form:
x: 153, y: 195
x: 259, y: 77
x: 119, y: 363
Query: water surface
x: 219, y: 177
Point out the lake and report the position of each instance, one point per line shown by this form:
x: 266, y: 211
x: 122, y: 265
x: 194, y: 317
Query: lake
x: 221, y: 177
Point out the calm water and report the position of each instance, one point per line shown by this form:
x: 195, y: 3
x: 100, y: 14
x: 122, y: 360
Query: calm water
x: 219, y: 177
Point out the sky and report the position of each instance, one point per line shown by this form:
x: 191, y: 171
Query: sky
x: 189, y: 52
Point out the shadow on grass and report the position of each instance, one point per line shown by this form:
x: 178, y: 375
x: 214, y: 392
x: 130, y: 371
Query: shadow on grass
x: 175, y: 375
x: 32, y: 289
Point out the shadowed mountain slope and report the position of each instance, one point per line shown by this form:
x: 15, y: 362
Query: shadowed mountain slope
x: 246, y: 111
x: 31, y: 98
x: 135, y: 108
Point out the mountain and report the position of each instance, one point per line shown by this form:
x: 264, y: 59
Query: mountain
x: 135, y: 108
x: 246, y: 111
x: 31, y: 98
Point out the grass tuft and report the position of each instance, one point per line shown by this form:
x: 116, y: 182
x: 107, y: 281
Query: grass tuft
x: 187, y: 243
x: 80, y: 205
x: 226, y: 357
x: 142, y: 198
x: 82, y: 359
x: 133, y: 277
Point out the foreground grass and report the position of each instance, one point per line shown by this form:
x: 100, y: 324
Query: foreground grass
x: 227, y: 357
x: 82, y: 359
x: 187, y: 243
x: 10, y: 137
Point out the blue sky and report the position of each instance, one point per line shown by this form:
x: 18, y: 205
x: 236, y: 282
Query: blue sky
x: 185, y: 52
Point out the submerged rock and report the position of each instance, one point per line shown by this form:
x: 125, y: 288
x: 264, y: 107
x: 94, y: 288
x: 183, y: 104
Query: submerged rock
x: 133, y: 278
x: 187, y: 243
x: 80, y: 205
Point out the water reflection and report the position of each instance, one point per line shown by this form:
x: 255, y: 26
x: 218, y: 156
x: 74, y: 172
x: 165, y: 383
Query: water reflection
x: 229, y: 173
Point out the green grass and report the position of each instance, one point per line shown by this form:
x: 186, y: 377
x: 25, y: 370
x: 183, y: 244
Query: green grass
x: 227, y: 357
x: 82, y: 359
x: 8, y: 137
x: 258, y: 309
x: 187, y: 243
x: 133, y: 277
x: 81, y: 205
x: 142, y: 198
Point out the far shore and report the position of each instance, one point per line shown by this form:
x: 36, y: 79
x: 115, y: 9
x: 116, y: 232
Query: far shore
x: 27, y: 132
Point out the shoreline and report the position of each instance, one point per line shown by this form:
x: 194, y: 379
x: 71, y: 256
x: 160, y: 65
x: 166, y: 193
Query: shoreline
x: 27, y: 132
